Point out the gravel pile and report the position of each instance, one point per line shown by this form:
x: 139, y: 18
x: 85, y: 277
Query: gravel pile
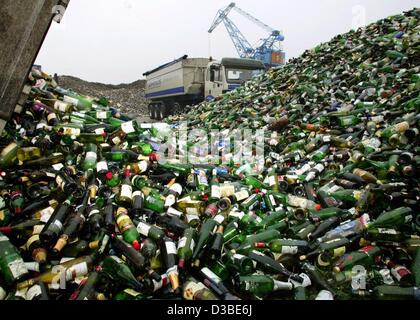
x: 130, y: 98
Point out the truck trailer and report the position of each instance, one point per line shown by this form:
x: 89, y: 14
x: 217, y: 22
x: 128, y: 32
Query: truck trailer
x: 188, y: 81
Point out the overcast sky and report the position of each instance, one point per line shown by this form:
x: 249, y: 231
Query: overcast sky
x: 116, y: 41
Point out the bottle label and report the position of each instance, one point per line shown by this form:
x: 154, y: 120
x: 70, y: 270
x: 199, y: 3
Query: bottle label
x: 57, y: 166
x: 289, y: 249
x: 387, y: 231
x: 272, y: 181
x: 38, y: 229
x: 173, y: 212
x: 126, y: 191
x: 182, y: 242
x: 241, y: 195
x: 215, y: 191
x: 46, y: 214
x: 143, y: 229
x: 71, y: 100
x: 51, y: 116
x: 17, y: 268
x: 226, y: 190
x: 238, y: 256
x: 33, y: 292
x: 57, y: 226
x: 192, y: 217
x: 192, y: 245
x: 101, y: 166
x: 60, y: 106
x: 116, y: 140
x: 124, y: 223
x: 31, y: 240
x: 170, y: 247
x: 99, y: 131
x: 192, y: 211
x: 131, y: 292
x: 76, y: 271
x: 297, y: 201
x: 211, y: 275
x: 68, y: 131
x: 128, y: 127
x: 191, y: 288
x: 237, y: 214
x: 101, y: 115
x: 338, y: 252
x: 116, y: 259
x: 91, y: 155
x: 138, y: 194
x: 219, y: 219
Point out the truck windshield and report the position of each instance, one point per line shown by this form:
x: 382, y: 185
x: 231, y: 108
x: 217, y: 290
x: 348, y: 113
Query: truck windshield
x: 234, y: 75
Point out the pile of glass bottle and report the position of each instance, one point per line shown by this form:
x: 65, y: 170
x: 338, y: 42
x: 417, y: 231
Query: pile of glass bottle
x: 88, y: 212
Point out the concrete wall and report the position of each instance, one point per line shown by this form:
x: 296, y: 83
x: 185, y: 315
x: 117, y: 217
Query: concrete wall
x: 23, y: 27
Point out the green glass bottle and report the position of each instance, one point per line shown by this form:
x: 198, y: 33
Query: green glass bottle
x: 185, y: 247
x: 12, y: 267
x: 127, y: 228
x: 365, y: 256
x: 393, y: 219
x: 261, y: 285
x: 117, y: 270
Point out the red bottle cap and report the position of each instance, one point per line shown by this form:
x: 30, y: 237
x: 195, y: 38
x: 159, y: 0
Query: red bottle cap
x: 108, y: 175
x: 18, y: 210
x: 136, y: 245
x: 181, y: 263
x: 318, y: 207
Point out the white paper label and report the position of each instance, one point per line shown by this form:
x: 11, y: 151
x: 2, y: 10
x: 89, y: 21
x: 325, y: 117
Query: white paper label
x: 191, y: 217
x: 182, y: 242
x: 101, y: 115
x: 226, y: 190
x: 57, y: 166
x: 17, y: 268
x: 170, y: 247
x: 77, y: 270
x: 101, y: 166
x: 215, y: 191
x: 127, y: 127
x: 143, y: 229
x: 71, y: 100
x: 241, y: 195
x: 237, y: 214
x: 33, y: 292
x: 126, y: 191
x: 191, y: 211
x: 219, y: 218
x: 289, y: 249
x: 60, y: 106
x: 272, y: 181
x: 91, y: 155
x: 100, y: 131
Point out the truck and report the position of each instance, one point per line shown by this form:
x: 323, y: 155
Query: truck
x: 171, y: 87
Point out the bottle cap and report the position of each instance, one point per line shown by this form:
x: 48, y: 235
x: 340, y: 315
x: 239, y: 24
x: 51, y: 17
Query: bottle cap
x: 108, y: 175
x: 136, y: 245
x: 318, y: 207
x: 181, y: 263
x: 336, y: 269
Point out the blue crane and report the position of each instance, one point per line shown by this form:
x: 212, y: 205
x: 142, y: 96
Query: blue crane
x: 268, y: 51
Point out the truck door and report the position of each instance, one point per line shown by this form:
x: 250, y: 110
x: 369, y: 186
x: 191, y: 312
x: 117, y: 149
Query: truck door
x: 214, y: 82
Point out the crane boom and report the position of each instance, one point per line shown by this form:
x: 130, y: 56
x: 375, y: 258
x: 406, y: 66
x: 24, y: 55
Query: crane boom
x: 253, y: 19
x: 268, y: 52
x: 242, y: 45
x: 221, y: 15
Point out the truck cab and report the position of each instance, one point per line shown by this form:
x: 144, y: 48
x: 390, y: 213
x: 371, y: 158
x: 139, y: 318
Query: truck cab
x: 188, y: 81
x: 228, y: 74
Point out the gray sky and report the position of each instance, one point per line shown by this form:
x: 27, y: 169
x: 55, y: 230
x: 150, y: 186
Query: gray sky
x: 115, y: 41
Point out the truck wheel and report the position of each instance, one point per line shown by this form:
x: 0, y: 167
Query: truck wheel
x: 151, y: 111
x: 162, y: 112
